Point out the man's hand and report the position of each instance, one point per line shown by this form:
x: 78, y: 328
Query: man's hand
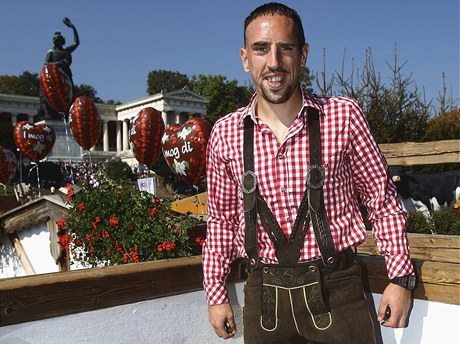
x: 397, y: 300
x: 221, y: 318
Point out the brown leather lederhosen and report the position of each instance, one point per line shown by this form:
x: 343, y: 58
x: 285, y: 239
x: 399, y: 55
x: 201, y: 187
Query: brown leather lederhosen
x: 320, y: 301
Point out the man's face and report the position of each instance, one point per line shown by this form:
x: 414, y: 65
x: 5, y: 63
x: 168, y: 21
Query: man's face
x: 273, y: 58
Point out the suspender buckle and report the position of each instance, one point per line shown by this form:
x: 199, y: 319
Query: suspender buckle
x: 315, y: 177
x: 249, y: 185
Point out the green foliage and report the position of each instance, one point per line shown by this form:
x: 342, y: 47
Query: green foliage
x: 395, y: 112
x: 224, y: 96
x: 164, y: 80
x: 113, y: 225
x: 118, y: 171
x: 26, y: 84
x: 87, y: 90
x: 444, y: 127
x: 443, y: 221
x: 447, y: 221
x: 418, y: 223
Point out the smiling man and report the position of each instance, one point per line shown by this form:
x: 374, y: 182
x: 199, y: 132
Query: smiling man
x: 275, y: 169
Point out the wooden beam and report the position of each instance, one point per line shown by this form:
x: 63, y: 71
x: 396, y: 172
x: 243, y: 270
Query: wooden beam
x: 437, y: 248
x: 421, y: 153
x: 22, y: 254
x: 31, y: 214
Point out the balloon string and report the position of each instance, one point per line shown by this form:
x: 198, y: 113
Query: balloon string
x: 38, y: 179
x: 68, y: 147
x: 90, y: 161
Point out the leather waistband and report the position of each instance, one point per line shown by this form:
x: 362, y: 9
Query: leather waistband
x: 346, y: 258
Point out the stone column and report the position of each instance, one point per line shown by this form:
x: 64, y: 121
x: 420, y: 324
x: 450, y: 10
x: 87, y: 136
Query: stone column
x: 119, y: 136
x: 14, y: 119
x: 105, y: 137
x: 164, y: 116
x: 125, y: 135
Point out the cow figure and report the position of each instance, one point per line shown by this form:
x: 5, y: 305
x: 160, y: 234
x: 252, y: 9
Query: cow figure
x: 431, y: 190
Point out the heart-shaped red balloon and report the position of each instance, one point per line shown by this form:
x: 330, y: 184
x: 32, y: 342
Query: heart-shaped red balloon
x: 34, y: 140
x: 7, y: 165
x: 145, y: 131
x: 56, y: 87
x: 85, y: 122
x: 184, y: 148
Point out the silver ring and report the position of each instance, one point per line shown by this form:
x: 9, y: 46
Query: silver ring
x: 321, y: 181
x: 254, y: 186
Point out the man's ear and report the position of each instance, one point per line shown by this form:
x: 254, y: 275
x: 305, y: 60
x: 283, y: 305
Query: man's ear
x: 244, y: 59
x: 305, y: 50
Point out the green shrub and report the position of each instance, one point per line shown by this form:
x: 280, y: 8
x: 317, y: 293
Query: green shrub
x: 443, y: 221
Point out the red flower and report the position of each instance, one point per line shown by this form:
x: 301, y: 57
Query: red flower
x: 69, y: 192
x: 153, y: 212
x: 168, y: 246
x: 81, y: 206
x: 118, y: 247
x: 105, y: 234
x: 65, y: 241
x: 113, y: 221
x: 200, y: 240
x: 61, y: 223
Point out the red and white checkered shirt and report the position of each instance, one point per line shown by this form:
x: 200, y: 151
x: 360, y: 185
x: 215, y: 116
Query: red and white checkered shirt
x: 352, y: 163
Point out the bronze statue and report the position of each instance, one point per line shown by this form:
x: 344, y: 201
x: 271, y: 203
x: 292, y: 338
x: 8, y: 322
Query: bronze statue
x: 62, y: 57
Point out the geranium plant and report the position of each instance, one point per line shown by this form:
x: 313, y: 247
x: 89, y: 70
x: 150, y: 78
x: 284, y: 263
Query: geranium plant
x: 117, y: 224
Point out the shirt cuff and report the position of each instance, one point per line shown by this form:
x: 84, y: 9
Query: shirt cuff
x: 216, y: 294
x: 398, y: 265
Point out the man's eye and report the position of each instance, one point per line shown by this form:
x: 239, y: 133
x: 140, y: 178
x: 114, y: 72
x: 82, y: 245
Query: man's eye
x: 261, y: 49
x: 287, y: 48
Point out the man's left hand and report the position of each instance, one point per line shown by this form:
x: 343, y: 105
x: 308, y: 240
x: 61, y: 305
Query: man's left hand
x: 398, y: 300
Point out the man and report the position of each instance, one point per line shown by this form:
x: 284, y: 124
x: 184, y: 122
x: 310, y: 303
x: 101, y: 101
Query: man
x: 274, y: 52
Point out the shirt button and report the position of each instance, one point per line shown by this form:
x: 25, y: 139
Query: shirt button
x: 283, y: 189
x: 288, y: 219
x: 280, y: 157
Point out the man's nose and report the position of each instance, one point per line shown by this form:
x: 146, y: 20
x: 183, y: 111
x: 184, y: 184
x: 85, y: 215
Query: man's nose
x: 274, y: 58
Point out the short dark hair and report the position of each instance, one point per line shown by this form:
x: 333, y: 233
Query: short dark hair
x: 275, y: 8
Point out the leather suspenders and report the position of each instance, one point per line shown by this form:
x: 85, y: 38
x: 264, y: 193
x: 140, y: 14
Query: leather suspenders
x: 311, y: 207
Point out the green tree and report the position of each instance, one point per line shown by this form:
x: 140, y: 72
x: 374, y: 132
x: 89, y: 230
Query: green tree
x: 396, y: 112
x: 224, y: 96
x: 444, y: 127
x: 26, y: 84
x: 87, y: 90
x: 165, y: 80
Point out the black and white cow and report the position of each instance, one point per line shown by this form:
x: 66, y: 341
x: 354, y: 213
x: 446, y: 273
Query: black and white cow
x: 432, y: 190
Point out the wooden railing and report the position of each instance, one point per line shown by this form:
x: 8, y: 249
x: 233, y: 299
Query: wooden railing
x: 29, y: 298
x: 421, y: 153
x: 24, y: 299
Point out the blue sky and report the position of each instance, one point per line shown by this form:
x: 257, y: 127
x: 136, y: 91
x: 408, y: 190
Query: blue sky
x: 121, y: 41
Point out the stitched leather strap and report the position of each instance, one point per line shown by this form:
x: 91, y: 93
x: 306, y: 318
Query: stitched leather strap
x: 311, y: 206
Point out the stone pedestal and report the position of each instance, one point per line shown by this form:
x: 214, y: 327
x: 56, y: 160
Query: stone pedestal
x: 65, y: 147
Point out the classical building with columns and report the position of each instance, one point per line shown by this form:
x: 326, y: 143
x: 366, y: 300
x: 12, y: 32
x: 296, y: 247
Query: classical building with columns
x: 176, y: 107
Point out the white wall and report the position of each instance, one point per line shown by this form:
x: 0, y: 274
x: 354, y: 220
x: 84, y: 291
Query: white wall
x: 182, y: 319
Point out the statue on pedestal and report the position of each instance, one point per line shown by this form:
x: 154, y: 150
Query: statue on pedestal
x: 62, y: 57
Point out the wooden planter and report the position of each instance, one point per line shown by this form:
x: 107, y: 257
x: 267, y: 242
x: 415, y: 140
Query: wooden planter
x: 437, y: 262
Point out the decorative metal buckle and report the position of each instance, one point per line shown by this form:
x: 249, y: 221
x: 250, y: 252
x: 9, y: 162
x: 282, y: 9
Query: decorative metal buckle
x: 309, y: 173
x: 254, y: 178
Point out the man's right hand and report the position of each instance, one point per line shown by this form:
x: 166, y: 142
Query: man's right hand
x: 222, y: 319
